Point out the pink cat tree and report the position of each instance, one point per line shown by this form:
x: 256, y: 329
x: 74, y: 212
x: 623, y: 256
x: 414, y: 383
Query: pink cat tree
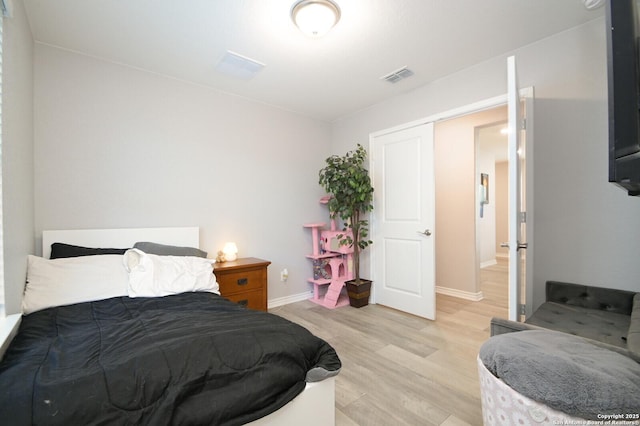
x: 331, y: 265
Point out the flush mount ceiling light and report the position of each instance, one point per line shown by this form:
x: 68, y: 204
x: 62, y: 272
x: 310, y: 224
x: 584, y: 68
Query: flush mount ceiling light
x: 315, y: 17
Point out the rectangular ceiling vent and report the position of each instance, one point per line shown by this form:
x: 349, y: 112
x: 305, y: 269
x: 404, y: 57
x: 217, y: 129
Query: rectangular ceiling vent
x: 236, y: 65
x: 397, y: 75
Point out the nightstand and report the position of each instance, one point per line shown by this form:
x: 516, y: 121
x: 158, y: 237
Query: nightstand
x: 244, y: 281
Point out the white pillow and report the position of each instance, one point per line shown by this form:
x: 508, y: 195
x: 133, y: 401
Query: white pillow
x: 57, y: 282
x: 151, y: 275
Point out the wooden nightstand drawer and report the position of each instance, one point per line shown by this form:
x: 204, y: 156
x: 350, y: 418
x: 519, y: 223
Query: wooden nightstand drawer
x: 250, y: 299
x: 241, y: 281
x: 244, y: 281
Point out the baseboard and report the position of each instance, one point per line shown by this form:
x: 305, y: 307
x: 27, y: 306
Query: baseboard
x: 488, y: 263
x: 502, y: 255
x: 475, y: 297
x: 281, y: 301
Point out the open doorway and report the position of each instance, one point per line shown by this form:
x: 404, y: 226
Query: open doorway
x: 455, y: 202
x: 492, y: 181
x: 492, y: 216
x: 466, y: 148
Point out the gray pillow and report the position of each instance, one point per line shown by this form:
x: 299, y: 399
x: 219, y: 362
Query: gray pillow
x: 166, y: 250
x: 633, y: 336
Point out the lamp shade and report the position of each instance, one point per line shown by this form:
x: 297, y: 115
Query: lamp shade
x: 230, y: 251
x: 315, y: 17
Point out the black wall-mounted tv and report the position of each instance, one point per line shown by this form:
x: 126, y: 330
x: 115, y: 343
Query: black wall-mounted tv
x: 624, y: 94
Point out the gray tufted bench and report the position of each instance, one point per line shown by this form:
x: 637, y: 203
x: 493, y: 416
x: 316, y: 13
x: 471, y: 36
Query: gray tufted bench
x: 593, y: 312
x: 603, y: 315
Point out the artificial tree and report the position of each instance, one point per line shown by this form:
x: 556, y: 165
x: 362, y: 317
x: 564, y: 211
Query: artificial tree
x: 347, y: 182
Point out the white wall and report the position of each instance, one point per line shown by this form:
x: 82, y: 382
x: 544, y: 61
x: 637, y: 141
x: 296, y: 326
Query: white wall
x: 17, y: 153
x: 119, y: 147
x: 586, y: 229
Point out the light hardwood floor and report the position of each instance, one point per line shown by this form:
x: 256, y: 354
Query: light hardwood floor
x: 399, y: 369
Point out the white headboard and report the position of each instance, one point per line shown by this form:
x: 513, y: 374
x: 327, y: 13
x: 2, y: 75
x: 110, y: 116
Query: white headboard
x: 120, y: 238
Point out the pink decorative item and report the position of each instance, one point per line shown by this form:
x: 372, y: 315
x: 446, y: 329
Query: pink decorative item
x: 332, y: 265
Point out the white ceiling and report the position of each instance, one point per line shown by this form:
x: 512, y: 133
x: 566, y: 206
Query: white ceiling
x: 326, y: 78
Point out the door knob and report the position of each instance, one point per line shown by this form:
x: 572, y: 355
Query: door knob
x: 426, y: 232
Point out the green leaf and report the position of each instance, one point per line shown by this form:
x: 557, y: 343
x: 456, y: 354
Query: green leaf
x: 348, y: 183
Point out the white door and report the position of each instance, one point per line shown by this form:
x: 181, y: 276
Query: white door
x: 403, y: 255
x: 517, y: 217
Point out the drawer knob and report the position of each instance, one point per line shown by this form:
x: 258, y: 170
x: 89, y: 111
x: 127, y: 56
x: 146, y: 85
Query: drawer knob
x: 244, y: 302
x: 243, y: 281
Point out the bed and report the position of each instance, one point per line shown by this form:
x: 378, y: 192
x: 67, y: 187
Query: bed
x: 171, y: 357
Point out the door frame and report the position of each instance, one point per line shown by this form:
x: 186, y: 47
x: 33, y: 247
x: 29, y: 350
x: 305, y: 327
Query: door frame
x: 527, y: 94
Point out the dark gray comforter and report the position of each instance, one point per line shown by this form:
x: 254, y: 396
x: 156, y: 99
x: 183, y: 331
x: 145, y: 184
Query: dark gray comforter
x: 193, y: 358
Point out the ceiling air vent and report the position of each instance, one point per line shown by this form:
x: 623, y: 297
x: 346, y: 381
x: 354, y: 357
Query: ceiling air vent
x: 397, y: 75
x: 236, y: 65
